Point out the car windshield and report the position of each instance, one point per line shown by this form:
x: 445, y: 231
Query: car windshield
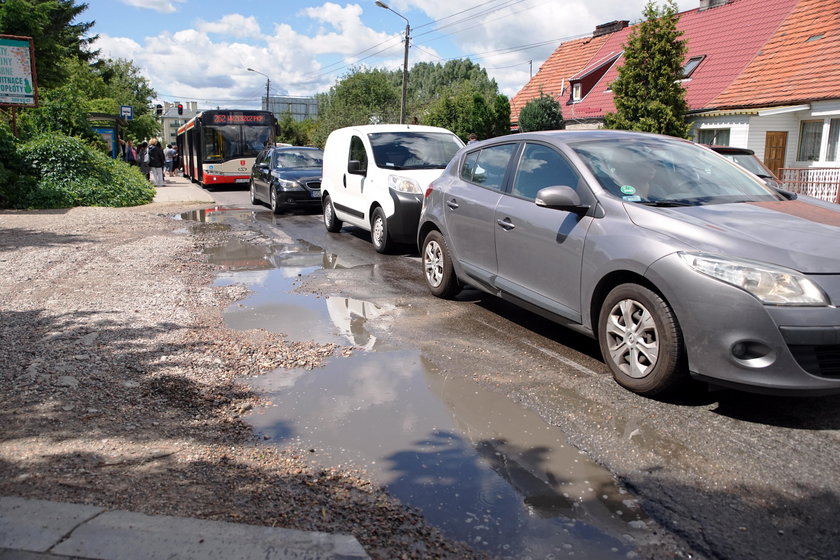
x: 664, y: 172
x: 297, y: 159
x: 414, y: 150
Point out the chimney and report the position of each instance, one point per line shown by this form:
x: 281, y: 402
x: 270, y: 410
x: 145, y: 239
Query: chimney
x: 709, y: 4
x: 611, y: 27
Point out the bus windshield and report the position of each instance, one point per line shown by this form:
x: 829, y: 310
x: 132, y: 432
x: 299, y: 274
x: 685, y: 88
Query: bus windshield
x: 225, y: 142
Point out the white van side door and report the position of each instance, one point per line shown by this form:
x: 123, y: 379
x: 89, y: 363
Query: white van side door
x: 353, y: 181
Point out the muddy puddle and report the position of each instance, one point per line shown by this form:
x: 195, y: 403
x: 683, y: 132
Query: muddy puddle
x: 481, y: 467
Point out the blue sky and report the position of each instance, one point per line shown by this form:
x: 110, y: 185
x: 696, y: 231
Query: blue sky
x: 200, y: 50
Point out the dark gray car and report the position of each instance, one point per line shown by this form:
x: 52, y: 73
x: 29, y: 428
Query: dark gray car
x: 287, y: 177
x: 678, y: 261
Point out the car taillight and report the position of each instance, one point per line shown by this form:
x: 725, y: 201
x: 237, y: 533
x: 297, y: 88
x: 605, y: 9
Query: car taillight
x: 428, y: 191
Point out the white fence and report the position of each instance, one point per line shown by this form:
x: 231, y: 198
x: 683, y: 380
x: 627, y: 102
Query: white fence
x: 819, y: 182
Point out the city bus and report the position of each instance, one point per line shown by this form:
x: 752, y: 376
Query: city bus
x: 218, y: 147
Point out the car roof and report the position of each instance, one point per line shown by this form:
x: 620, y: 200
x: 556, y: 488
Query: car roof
x: 731, y: 150
x: 373, y: 128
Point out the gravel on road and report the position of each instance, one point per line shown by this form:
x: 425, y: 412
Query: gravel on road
x: 119, y: 385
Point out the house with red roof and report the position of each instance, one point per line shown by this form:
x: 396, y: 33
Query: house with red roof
x: 758, y: 74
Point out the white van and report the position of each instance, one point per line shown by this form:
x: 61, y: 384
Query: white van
x: 374, y: 177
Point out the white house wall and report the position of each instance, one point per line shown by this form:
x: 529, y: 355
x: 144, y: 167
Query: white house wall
x: 786, y: 122
x: 738, y: 126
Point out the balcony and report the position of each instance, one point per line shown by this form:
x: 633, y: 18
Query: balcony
x: 819, y: 182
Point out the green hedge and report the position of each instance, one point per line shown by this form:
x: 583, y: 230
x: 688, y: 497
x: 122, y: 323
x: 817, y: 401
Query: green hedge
x: 61, y: 171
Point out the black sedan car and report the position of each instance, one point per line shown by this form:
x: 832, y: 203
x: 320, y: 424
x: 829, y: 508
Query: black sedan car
x: 287, y: 177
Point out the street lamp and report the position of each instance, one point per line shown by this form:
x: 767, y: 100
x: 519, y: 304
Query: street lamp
x: 405, y: 59
x: 267, y: 85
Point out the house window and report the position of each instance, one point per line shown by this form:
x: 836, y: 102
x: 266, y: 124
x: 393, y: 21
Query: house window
x: 692, y: 65
x: 577, y: 90
x: 713, y: 136
x: 833, y: 140
x: 810, y: 137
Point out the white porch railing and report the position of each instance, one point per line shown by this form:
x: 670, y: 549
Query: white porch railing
x: 819, y: 182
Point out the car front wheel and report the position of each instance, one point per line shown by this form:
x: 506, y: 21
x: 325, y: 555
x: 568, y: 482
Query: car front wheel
x: 332, y: 223
x: 379, y: 232
x: 273, y: 200
x: 253, y: 193
x: 437, y: 266
x: 641, y: 341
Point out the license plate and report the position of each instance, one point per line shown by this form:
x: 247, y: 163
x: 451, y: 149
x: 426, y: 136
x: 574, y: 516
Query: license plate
x: 243, y: 180
x: 315, y: 194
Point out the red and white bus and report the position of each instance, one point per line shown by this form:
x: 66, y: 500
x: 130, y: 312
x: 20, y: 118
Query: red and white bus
x: 219, y: 147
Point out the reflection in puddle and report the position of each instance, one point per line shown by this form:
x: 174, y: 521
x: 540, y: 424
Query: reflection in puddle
x: 481, y: 467
x: 484, y: 469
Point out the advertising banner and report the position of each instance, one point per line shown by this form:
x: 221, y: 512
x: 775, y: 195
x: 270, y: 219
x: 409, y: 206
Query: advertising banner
x: 17, y: 72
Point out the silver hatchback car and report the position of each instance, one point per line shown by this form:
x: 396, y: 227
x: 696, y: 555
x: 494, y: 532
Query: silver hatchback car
x: 680, y: 263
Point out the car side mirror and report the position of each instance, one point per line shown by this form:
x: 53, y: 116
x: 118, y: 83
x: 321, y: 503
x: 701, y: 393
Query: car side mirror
x: 560, y: 197
x: 354, y: 167
x: 262, y: 165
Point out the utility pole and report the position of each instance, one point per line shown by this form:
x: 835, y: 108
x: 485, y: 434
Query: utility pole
x: 405, y: 59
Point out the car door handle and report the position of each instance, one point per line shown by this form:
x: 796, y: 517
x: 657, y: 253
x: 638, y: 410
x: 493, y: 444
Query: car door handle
x: 453, y: 204
x: 344, y: 180
x: 506, y: 224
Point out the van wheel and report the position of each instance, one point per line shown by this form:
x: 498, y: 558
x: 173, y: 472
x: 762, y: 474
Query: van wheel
x: 641, y: 341
x: 332, y: 223
x: 437, y: 266
x: 379, y: 232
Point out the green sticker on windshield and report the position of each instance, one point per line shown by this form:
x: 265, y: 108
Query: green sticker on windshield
x: 628, y: 189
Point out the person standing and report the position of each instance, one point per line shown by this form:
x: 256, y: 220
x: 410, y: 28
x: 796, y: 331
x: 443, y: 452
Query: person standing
x: 156, y: 162
x: 143, y: 160
x: 130, y: 153
x: 168, y: 160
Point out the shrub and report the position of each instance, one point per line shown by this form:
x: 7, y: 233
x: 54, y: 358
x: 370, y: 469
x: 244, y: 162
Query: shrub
x: 70, y: 173
x: 10, y: 166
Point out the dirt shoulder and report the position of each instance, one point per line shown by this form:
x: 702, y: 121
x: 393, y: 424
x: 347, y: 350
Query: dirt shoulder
x: 119, y: 385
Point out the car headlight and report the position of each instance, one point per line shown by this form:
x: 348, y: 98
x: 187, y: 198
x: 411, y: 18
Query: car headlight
x: 772, y: 285
x: 403, y: 184
x: 286, y: 185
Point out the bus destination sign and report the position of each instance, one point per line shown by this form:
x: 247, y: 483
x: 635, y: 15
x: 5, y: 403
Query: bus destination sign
x: 234, y: 118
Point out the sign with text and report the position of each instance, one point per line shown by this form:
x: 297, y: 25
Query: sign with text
x: 17, y: 72
x: 127, y: 112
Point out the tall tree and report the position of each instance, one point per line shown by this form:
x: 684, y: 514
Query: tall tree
x: 648, y: 94
x: 463, y: 109
x: 361, y: 97
x: 542, y: 113
x: 55, y: 32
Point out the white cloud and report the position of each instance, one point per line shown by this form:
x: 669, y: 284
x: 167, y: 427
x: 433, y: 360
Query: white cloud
x: 209, y: 62
x: 234, y: 25
x: 162, y: 6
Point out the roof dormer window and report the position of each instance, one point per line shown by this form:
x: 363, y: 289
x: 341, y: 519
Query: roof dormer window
x: 691, y: 66
x: 577, y: 92
x: 583, y: 82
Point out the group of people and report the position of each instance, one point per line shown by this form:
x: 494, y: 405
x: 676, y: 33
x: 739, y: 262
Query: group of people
x: 155, y: 162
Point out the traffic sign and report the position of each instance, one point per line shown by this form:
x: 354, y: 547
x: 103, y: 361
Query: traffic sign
x: 127, y: 112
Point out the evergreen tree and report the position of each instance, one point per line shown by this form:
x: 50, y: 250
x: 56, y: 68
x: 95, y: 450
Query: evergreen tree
x: 542, y: 113
x: 56, y: 38
x: 648, y: 94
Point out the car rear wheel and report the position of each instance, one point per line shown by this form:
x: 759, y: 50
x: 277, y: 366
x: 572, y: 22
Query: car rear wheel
x: 379, y: 232
x: 332, y: 223
x: 253, y: 193
x: 437, y: 266
x: 641, y: 340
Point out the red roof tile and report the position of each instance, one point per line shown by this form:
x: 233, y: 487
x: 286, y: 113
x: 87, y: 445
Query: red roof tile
x: 730, y: 37
x: 567, y: 60
x: 801, y: 62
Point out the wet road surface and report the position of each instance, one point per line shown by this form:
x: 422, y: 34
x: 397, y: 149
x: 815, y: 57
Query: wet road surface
x: 477, y: 412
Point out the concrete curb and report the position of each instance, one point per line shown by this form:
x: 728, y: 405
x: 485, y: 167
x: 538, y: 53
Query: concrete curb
x: 41, y: 529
